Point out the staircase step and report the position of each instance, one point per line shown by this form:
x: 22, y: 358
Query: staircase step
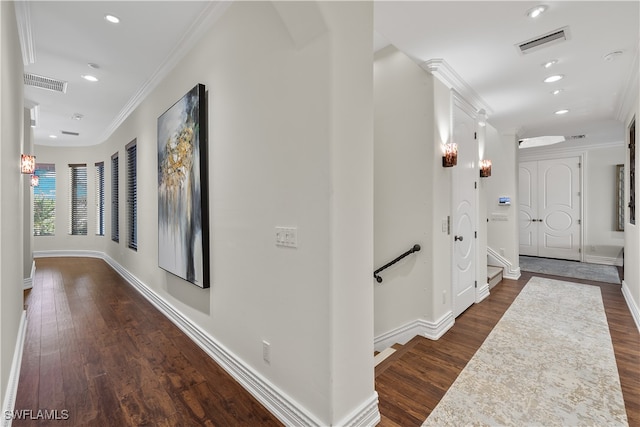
x: 383, y: 355
x: 494, y: 275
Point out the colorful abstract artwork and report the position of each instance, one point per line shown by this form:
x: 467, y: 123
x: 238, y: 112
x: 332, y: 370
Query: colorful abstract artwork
x: 183, y: 229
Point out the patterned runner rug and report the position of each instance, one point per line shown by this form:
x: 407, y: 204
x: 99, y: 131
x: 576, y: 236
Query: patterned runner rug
x: 548, y: 362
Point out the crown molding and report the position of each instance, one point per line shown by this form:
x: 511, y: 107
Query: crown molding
x: 629, y: 92
x: 23, y: 19
x: 210, y: 15
x: 440, y: 69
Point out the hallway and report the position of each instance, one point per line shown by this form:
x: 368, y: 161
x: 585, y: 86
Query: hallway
x: 96, y: 349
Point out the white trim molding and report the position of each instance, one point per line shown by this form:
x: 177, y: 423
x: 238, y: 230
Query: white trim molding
x: 440, y: 69
x: 633, y: 307
x: 14, y: 374
x: 27, y: 283
x: 482, y: 292
x: 364, y: 415
x: 509, y: 271
x: 25, y: 34
x: 403, y: 334
x: 275, y: 400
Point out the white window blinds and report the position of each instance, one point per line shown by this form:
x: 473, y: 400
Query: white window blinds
x: 78, y: 200
x: 99, y: 198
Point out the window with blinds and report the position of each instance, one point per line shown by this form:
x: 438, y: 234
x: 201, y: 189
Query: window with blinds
x: 99, y: 198
x: 115, y: 225
x: 132, y: 196
x: 44, y: 200
x: 78, y: 200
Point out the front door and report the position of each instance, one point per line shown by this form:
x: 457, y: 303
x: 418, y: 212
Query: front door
x: 464, y: 182
x: 549, y: 194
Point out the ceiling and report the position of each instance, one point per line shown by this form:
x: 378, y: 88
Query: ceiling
x: 477, y: 39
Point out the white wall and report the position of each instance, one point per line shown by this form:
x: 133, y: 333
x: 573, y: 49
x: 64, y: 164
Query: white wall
x: 290, y: 144
x: 11, y: 191
x: 502, y: 228
x: 403, y: 127
x: 631, y: 282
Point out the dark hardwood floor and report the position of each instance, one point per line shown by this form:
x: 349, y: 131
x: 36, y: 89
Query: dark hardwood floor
x: 98, y: 350
x: 100, y: 355
x: 412, y: 381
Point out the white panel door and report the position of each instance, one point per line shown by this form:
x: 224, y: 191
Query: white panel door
x: 559, y: 208
x: 528, y: 204
x: 550, y: 208
x: 464, y: 213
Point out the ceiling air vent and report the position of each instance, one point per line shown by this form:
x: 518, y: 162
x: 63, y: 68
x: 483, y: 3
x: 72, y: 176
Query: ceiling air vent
x: 574, y: 137
x: 66, y: 132
x: 45, y: 83
x: 545, y: 40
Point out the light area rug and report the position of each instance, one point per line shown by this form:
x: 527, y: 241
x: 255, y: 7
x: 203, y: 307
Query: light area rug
x: 548, y: 362
x: 578, y: 270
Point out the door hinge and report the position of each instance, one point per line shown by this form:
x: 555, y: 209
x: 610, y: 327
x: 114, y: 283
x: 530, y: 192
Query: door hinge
x: 475, y: 283
x: 579, y: 221
x: 475, y: 184
x: 475, y: 234
x: 475, y: 135
x: 579, y: 165
x: 579, y: 250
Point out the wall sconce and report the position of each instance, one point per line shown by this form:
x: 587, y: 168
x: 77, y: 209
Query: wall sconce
x: 35, y: 180
x: 485, y: 168
x: 27, y: 164
x: 450, y: 157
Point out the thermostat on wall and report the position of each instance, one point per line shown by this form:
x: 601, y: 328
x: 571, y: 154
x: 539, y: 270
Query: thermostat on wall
x: 504, y: 201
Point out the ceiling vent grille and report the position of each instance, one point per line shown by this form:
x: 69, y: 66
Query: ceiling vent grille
x: 45, y: 83
x: 66, y: 132
x: 574, y: 137
x: 545, y: 40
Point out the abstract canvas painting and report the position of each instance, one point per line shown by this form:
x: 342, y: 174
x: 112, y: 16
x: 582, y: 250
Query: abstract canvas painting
x: 183, y: 228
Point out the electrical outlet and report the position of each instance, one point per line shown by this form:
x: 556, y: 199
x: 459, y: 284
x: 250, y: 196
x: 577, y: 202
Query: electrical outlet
x: 266, y: 352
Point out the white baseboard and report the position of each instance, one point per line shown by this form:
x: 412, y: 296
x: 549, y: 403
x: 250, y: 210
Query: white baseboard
x: 633, y: 307
x: 364, y: 415
x: 594, y: 259
x: 28, y: 282
x: 275, y: 400
x: 482, y: 292
x: 509, y: 271
x: 14, y: 375
x: 403, y: 334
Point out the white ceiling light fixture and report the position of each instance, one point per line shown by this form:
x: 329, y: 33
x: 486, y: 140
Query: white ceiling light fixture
x: 551, y: 63
x: 557, y: 91
x: 554, y: 78
x: 89, y: 78
x: 112, y: 18
x: 53, y: 136
x: 561, y: 112
x: 535, y: 12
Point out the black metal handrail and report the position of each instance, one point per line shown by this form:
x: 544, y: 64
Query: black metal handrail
x: 415, y: 248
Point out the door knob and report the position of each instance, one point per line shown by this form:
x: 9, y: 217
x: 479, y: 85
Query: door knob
x: 456, y: 238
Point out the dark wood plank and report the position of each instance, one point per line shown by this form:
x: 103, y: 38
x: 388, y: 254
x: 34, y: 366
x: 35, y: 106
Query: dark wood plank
x: 97, y: 349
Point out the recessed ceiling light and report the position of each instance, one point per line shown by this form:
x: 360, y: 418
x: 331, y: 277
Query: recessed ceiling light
x: 92, y: 65
x: 554, y: 78
x: 561, y: 112
x: 550, y: 63
x: 89, y: 78
x: 77, y: 116
x: 53, y: 136
x: 536, y: 11
x: 556, y: 92
x: 112, y: 18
